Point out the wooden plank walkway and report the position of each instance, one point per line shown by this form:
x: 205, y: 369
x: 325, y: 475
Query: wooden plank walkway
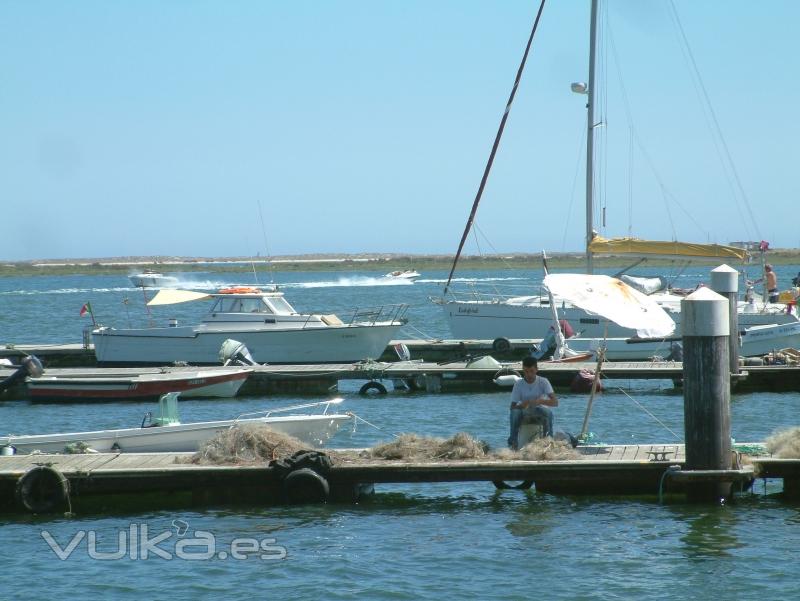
x: 601, y: 469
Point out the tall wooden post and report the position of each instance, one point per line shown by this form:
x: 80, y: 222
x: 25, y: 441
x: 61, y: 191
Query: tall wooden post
x: 725, y: 281
x: 706, y: 390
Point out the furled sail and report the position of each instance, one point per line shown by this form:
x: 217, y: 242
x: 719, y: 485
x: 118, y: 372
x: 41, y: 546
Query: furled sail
x: 665, y: 249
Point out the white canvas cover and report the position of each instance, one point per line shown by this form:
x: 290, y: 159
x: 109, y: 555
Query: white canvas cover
x: 172, y: 297
x: 613, y: 299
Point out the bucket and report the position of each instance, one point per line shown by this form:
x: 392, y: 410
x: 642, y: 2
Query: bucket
x: 7, y: 450
x: 173, y: 322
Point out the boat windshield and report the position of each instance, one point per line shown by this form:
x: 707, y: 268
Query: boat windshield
x: 280, y: 305
x: 240, y: 305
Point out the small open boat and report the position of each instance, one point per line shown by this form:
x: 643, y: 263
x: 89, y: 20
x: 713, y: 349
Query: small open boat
x: 166, y: 434
x: 136, y: 385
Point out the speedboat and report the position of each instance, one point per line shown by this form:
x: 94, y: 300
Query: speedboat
x: 152, y: 279
x: 165, y: 433
x: 408, y: 274
x: 263, y: 320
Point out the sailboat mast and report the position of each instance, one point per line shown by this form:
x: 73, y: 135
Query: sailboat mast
x: 590, y: 140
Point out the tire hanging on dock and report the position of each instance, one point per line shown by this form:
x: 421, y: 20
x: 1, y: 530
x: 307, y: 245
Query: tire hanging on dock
x: 43, y: 489
x: 372, y: 386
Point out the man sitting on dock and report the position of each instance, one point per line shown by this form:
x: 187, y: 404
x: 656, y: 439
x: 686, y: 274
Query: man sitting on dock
x: 531, y: 399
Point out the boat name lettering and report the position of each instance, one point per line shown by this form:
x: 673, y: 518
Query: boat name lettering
x: 590, y: 320
x: 468, y: 310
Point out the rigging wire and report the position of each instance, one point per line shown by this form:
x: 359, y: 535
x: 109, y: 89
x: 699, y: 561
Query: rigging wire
x: 496, y: 144
x: 719, y: 139
x: 578, y: 164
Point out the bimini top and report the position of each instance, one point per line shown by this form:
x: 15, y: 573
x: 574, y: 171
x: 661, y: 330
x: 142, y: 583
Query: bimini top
x: 665, y: 249
x: 173, y: 297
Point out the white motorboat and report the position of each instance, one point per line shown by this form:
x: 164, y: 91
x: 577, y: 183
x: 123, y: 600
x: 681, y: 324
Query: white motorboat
x: 166, y: 434
x: 408, y: 274
x: 152, y: 279
x: 263, y: 320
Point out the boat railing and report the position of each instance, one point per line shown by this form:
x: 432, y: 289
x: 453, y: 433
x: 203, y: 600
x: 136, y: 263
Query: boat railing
x: 473, y: 294
x: 270, y: 412
x: 372, y: 315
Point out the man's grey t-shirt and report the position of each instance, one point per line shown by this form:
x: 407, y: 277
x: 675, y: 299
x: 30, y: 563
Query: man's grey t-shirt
x: 522, y: 390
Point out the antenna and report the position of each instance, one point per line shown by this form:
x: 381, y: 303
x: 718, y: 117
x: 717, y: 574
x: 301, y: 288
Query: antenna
x: 266, y: 245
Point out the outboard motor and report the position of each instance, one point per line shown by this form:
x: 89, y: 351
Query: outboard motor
x: 546, y: 348
x: 675, y: 352
x: 234, y: 352
x: 29, y: 366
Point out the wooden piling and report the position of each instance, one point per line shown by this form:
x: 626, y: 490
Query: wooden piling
x: 706, y: 391
x: 725, y: 281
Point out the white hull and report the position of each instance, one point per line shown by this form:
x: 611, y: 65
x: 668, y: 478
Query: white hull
x: 311, y: 429
x: 144, y: 280
x: 200, y: 345
x: 532, y: 317
x: 217, y: 382
x: 756, y: 341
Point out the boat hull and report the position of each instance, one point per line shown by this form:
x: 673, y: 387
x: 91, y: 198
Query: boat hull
x: 755, y: 341
x: 311, y: 429
x: 532, y: 317
x: 200, y: 346
x: 205, y: 383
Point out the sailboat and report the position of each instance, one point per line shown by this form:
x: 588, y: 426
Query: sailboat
x: 490, y: 317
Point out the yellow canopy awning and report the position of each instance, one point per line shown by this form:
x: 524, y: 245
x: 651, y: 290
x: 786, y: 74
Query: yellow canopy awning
x: 665, y: 249
x: 173, y: 297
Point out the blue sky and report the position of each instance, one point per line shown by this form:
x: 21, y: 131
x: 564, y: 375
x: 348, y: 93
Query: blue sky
x: 157, y: 128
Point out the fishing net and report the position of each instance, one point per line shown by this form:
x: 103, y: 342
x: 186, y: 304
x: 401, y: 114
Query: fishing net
x: 540, y: 449
x: 785, y: 444
x: 252, y: 443
x: 413, y: 447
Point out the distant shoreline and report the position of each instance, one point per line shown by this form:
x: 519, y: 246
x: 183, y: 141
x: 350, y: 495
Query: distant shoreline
x: 362, y: 262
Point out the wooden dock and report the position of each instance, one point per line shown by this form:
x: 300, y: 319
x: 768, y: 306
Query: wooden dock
x: 164, y: 478
x: 447, y: 375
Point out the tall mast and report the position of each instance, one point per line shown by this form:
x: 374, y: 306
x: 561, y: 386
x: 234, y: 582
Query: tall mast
x: 590, y: 140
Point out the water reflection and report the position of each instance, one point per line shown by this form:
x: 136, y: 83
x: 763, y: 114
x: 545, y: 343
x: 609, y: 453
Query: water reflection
x: 711, y: 532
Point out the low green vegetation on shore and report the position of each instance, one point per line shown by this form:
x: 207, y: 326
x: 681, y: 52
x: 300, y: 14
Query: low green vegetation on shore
x: 377, y: 263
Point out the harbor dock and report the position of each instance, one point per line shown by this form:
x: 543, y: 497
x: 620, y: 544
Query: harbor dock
x: 171, y: 478
x: 454, y: 371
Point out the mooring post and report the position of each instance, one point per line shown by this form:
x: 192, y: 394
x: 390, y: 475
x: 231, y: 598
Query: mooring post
x: 725, y: 281
x: 706, y: 390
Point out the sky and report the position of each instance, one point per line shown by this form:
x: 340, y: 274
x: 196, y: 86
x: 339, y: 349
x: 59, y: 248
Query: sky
x: 192, y: 128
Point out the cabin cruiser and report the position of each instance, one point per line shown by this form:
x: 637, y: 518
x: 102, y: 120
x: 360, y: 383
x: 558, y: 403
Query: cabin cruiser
x: 263, y: 320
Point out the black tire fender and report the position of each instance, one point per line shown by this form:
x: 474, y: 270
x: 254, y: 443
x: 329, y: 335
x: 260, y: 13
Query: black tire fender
x: 370, y: 386
x: 42, y: 489
x: 501, y: 345
x: 305, y: 486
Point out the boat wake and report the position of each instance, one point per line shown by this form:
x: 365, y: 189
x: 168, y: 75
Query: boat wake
x: 471, y: 280
x: 351, y: 281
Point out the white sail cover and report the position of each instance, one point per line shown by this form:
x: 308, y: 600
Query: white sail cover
x: 172, y: 297
x: 613, y: 299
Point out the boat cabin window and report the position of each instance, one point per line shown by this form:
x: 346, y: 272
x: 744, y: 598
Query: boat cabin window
x: 240, y: 305
x: 279, y: 305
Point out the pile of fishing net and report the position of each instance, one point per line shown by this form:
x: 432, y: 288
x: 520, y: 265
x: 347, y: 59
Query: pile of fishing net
x: 785, y: 444
x: 251, y: 443
x: 413, y: 447
x: 541, y: 449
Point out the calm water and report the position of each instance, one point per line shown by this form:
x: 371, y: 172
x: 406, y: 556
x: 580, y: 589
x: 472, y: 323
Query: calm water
x: 408, y: 541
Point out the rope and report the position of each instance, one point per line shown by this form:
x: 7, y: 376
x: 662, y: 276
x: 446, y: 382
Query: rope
x: 495, y: 146
x: 667, y: 428
x: 361, y: 419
